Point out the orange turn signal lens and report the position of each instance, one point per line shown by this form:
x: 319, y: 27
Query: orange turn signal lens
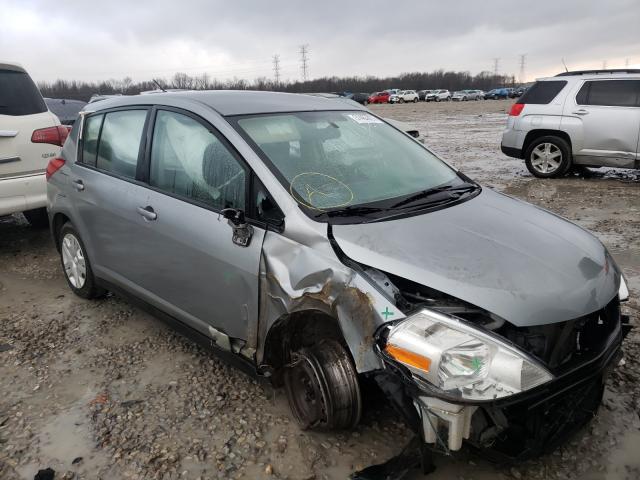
x: 408, y: 358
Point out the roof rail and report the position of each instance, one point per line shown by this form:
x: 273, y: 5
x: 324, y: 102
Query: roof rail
x: 591, y: 72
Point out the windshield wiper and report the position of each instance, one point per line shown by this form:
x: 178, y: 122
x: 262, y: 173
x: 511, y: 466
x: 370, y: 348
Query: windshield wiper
x: 350, y: 211
x: 465, y: 187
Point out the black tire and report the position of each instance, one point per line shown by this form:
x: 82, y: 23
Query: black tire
x: 37, y: 217
x: 365, y: 103
x: 415, y: 100
x: 89, y: 289
x: 401, y: 100
x: 558, y: 144
x: 322, y: 387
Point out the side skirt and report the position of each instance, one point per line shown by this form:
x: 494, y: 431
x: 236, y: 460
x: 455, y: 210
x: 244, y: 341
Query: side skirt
x: 185, y: 330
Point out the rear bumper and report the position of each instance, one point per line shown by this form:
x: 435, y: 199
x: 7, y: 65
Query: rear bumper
x: 511, y: 151
x: 18, y: 194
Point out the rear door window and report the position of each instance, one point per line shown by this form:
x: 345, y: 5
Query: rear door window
x: 19, y: 95
x: 188, y: 160
x: 611, y: 93
x: 119, y: 144
x: 90, y: 136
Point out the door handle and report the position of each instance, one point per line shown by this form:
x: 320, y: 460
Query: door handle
x: 582, y: 111
x: 147, y: 213
x: 78, y: 185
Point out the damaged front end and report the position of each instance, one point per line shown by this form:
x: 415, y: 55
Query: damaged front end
x: 459, y: 373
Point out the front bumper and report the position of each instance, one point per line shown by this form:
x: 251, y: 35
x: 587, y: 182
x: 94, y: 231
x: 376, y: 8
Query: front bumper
x: 513, y: 428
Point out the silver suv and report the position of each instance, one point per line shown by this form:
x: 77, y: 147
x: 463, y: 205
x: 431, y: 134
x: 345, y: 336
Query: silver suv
x: 588, y: 118
x: 315, y: 244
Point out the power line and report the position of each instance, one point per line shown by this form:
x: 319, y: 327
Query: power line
x: 276, y: 68
x: 523, y: 62
x: 304, y: 60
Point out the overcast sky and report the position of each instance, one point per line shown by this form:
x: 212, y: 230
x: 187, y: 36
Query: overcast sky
x: 90, y: 40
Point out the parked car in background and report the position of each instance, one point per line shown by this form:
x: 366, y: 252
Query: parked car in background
x: 511, y: 93
x: 379, y: 97
x: 464, y: 95
x: 362, y: 98
x: 482, y: 318
x: 519, y: 91
x: 30, y: 135
x: 66, y: 110
x: 404, y: 96
x: 497, y: 94
x: 589, y: 118
x: 438, y: 96
x: 422, y: 95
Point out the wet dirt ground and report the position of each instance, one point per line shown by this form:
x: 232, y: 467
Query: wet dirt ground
x: 99, y: 389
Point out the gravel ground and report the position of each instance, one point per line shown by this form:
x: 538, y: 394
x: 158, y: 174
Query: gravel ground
x: 101, y: 390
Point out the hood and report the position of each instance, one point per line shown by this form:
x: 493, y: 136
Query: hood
x: 506, y: 256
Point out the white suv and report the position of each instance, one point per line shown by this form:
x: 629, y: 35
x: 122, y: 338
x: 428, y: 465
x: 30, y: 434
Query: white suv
x: 30, y: 135
x: 589, y: 118
x: 404, y: 96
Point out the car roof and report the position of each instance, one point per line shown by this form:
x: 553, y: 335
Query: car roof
x: 237, y: 102
x: 16, y: 67
x: 590, y: 74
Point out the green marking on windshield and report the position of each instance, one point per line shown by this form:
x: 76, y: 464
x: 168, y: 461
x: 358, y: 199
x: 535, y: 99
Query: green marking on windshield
x: 387, y: 313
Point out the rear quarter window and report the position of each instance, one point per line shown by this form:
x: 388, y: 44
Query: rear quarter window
x: 542, y: 93
x: 19, y: 95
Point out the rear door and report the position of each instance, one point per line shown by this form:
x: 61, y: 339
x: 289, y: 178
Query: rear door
x: 186, y: 260
x: 608, y: 112
x: 103, y: 183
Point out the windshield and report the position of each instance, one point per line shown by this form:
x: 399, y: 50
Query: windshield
x: 340, y: 160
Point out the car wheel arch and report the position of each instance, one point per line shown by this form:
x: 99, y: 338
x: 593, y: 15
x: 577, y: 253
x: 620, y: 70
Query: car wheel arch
x: 535, y: 134
x: 59, y: 219
x: 295, y: 330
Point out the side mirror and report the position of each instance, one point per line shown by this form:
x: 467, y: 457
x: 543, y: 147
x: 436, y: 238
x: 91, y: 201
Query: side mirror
x: 234, y: 215
x: 242, y: 231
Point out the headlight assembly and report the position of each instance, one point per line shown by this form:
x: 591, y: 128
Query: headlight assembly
x: 461, y: 360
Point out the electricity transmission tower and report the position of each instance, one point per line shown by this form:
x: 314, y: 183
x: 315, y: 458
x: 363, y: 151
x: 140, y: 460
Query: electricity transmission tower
x: 496, y: 66
x: 304, y: 61
x: 523, y: 62
x: 276, y: 68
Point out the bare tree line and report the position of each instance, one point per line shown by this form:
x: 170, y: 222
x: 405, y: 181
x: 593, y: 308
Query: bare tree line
x: 81, y: 90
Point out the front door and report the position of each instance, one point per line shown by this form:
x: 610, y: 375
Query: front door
x: 188, y: 263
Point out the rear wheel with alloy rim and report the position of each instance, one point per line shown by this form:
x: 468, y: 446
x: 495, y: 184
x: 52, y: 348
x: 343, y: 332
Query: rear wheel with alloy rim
x: 322, y: 387
x: 548, y: 157
x: 76, y: 265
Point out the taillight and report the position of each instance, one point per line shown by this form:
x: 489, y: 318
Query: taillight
x: 54, y: 165
x: 53, y: 135
x: 516, y: 109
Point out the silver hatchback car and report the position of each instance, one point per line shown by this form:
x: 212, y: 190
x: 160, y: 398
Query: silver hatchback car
x: 315, y: 244
x: 589, y: 118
